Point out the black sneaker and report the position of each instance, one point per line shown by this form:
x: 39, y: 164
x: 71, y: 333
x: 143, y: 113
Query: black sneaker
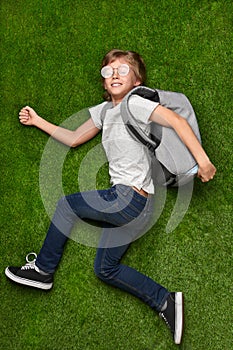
x: 30, y: 275
x: 173, y: 315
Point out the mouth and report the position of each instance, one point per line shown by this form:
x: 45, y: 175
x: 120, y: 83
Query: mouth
x: 116, y: 84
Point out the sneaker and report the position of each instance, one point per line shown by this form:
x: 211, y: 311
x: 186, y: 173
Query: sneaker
x: 172, y: 314
x: 30, y: 275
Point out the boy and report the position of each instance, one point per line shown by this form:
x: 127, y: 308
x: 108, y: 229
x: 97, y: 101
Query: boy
x: 127, y: 199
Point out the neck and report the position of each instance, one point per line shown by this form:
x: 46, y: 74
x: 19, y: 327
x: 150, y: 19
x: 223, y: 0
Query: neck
x: 116, y: 101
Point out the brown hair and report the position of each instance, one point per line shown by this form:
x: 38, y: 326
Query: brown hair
x: 134, y: 59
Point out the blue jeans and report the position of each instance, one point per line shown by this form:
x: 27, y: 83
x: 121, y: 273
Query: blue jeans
x: 123, y: 213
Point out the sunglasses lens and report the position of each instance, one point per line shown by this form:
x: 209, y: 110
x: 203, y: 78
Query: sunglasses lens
x: 107, y: 72
x: 123, y: 70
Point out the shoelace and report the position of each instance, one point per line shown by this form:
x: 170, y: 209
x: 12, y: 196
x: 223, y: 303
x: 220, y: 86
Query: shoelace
x: 30, y: 263
x: 161, y: 314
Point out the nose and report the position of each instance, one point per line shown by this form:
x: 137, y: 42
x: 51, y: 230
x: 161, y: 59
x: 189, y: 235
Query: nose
x: 115, y: 73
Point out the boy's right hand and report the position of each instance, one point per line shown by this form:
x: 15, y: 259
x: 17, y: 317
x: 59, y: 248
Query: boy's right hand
x: 27, y: 116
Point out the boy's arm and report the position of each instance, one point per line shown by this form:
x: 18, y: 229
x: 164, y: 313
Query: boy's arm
x: 70, y: 138
x: 168, y: 118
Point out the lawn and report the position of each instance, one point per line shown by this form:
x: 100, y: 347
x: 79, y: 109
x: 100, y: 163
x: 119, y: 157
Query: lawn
x: 50, y: 58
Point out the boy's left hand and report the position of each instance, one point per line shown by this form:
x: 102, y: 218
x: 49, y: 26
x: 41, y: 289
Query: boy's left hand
x: 206, y: 172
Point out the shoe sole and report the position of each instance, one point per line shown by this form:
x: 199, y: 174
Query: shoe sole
x: 26, y: 282
x: 179, y: 317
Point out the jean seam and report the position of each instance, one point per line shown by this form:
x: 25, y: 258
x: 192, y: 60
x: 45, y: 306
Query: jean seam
x: 136, y: 290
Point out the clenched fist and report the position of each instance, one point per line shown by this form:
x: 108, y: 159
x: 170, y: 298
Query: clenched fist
x: 27, y: 116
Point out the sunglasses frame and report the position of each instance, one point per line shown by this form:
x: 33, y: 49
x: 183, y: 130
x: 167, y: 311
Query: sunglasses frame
x: 111, y: 70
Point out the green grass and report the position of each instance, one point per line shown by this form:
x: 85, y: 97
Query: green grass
x: 50, y: 55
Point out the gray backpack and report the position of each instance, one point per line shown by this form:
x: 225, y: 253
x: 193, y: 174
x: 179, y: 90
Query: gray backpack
x: 172, y: 163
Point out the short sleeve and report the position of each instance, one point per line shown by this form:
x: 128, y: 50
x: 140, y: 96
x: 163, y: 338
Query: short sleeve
x: 95, y: 113
x: 141, y: 108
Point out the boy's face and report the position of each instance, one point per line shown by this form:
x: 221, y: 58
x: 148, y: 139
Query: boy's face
x: 118, y: 86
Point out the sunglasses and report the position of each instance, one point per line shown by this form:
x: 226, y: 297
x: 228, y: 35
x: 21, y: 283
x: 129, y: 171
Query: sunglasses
x: 108, y: 71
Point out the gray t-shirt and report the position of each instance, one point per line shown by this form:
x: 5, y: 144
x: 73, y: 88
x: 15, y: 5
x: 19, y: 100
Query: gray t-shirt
x: 129, y: 160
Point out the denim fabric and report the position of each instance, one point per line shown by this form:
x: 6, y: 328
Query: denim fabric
x: 123, y: 213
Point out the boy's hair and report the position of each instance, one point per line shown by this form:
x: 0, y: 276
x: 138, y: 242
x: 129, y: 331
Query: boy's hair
x: 134, y: 59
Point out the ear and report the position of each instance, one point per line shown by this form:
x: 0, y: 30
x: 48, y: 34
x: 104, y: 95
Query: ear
x: 137, y: 83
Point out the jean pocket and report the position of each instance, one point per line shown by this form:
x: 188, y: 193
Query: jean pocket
x: 124, y: 190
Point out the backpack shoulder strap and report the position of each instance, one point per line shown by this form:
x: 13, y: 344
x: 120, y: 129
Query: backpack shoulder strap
x: 131, y: 123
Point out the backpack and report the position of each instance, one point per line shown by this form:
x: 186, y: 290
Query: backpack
x: 172, y: 162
